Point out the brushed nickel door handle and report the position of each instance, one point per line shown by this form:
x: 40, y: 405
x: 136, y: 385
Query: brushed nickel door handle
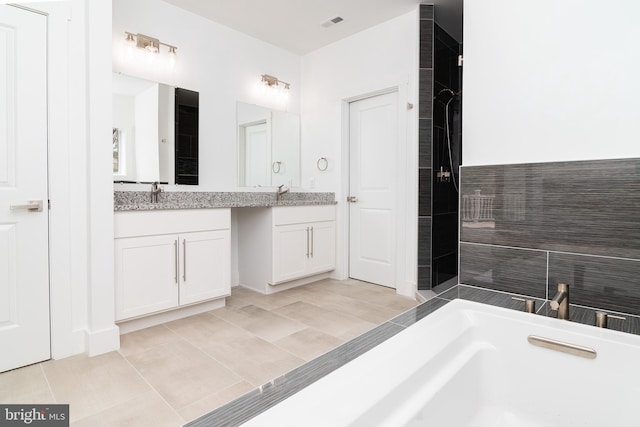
x: 31, y: 206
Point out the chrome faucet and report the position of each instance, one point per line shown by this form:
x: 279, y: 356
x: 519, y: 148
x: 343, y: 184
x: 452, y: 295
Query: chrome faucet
x: 281, y: 191
x: 560, y: 301
x: 155, y: 189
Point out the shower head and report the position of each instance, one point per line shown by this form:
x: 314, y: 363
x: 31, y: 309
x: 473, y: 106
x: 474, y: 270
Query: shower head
x: 446, y: 89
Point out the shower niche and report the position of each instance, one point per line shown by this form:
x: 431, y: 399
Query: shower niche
x: 440, y: 156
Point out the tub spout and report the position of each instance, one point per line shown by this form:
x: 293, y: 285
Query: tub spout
x: 560, y: 301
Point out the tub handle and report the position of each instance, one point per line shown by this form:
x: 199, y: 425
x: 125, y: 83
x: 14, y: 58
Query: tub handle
x: 529, y: 304
x: 564, y: 347
x: 602, y: 317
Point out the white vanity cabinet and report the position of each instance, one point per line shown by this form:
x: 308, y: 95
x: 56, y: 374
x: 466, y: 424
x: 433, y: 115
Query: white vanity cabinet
x: 170, y: 259
x: 279, y: 246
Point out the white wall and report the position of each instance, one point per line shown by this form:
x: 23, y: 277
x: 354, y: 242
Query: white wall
x: 381, y: 57
x: 550, y: 81
x: 223, y: 65
x: 80, y: 167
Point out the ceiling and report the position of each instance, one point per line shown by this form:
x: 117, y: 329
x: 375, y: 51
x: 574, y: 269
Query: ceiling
x: 296, y: 25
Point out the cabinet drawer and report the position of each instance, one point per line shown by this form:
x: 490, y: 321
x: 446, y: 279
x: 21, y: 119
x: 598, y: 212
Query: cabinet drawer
x: 283, y: 215
x: 147, y: 223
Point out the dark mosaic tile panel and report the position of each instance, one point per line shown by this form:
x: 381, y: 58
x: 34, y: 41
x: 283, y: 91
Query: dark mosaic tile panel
x: 587, y: 207
x: 424, y: 241
x: 607, y: 283
x: 498, y: 299
x: 425, y: 141
x: 420, y: 312
x: 587, y: 316
x: 426, y: 11
x: 424, y: 192
x: 424, y: 277
x: 519, y: 271
x: 426, y: 44
x: 425, y: 97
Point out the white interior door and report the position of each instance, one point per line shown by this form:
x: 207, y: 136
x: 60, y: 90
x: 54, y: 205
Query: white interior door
x: 24, y: 265
x: 373, y: 141
x: 257, y: 156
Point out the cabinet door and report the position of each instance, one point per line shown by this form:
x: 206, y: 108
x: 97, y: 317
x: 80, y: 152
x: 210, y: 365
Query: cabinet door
x: 205, y: 265
x: 290, y: 252
x: 146, y: 275
x: 322, y: 256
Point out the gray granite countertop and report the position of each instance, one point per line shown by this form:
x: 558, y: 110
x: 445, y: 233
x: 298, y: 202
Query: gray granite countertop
x: 141, y: 200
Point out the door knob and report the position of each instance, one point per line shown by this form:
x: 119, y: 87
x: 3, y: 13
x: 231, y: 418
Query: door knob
x: 31, y: 206
x: 352, y: 199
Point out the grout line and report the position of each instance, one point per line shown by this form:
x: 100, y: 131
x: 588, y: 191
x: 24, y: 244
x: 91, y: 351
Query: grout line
x: 44, y: 374
x: 175, y: 411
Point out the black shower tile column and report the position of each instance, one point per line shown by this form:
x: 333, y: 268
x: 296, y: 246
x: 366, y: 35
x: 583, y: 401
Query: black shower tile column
x: 446, y: 153
x: 425, y: 171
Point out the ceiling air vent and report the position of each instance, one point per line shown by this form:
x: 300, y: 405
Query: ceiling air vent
x: 332, y: 21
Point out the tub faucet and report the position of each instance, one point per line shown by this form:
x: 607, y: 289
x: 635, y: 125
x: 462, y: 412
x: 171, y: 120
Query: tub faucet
x: 155, y: 189
x: 281, y: 191
x: 560, y: 301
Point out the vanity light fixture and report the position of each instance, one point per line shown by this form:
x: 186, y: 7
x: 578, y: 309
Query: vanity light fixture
x: 274, y: 82
x: 150, y: 44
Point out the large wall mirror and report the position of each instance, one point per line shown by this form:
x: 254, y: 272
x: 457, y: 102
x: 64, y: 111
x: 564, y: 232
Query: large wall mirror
x: 155, y: 132
x: 268, y: 147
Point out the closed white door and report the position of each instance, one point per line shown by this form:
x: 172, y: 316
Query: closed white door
x: 24, y: 265
x: 373, y: 140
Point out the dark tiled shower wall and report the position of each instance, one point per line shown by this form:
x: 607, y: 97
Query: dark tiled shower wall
x: 425, y: 170
x: 447, y: 97
x: 524, y: 228
x: 437, y: 202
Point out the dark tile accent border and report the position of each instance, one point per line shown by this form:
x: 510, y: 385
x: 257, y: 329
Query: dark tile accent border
x: 581, y: 215
x: 609, y: 283
x: 519, y: 271
x: 585, y: 207
x: 498, y: 299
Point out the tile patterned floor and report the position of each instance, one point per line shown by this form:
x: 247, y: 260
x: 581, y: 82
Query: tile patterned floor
x: 173, y: 373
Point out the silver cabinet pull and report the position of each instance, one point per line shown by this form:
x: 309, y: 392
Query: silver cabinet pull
x: 31, y: 206
x: 175, y: 244
x: 184, y: 259
x: 311, y: 244
x: 352, y: 199
x: 307, y: 242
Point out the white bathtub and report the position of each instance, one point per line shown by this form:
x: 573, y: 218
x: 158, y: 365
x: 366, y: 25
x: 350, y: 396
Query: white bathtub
x: 471, y: 364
